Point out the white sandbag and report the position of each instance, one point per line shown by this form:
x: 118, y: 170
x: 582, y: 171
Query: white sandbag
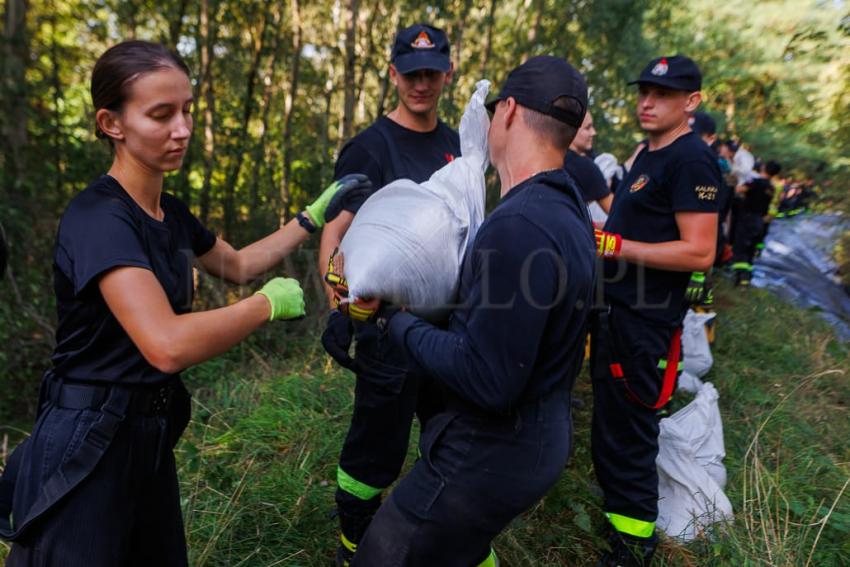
x: 696, y: 351
x: 597, y: 214
x: 691, y: 474
x: 407, y: 241
x: 688, y: 382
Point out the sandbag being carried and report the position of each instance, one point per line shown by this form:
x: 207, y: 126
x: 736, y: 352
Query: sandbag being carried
x: 691, y: 474
x: 407, y: 241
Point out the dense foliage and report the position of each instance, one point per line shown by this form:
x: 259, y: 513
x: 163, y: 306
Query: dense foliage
x: 280, y: 85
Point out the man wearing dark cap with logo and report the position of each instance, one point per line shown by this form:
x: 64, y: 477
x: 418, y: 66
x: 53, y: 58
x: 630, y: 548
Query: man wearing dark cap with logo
x: 410, y: 142
x: 662, y: 227
x: 513, y: 348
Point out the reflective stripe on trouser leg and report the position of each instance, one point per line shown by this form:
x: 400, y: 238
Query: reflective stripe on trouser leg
x: 354, y: 487
x: 631, y: 526
x: 662, y: 365
x: 742, y: 266
x: 346, y: 543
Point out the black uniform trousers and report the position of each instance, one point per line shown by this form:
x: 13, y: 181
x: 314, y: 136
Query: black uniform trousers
x: 125, y: 510
x: 475, y: 475
x: 624, y: 433
x: 388, y: 392
x: 749, y: 231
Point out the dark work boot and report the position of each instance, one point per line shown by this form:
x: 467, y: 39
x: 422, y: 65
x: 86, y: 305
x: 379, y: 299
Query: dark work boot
x: 354, y: 517
x: 628, y: 551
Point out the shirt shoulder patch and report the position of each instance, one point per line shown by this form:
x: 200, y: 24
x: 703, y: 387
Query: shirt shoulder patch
x: 706, y: 192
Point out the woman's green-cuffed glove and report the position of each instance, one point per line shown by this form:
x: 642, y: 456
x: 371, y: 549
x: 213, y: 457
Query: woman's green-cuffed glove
x: 351, y: 183
x: 286, y: 298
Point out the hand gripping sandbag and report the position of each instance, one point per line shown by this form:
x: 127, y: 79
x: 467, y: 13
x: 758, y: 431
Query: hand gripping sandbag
x: 691, y: 475
x: 407, y: 241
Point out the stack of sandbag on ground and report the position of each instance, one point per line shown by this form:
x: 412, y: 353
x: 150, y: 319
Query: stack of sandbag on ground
x: 696, y: 351
x: 407, y: 241
x: 691, y: 474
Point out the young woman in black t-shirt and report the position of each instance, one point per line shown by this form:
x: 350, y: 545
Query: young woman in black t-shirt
x: 95, y: 484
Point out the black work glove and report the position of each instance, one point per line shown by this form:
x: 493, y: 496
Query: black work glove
x: 337, y: 338
x: 356, y: 188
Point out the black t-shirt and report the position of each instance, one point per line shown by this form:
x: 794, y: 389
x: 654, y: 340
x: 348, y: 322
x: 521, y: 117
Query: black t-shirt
x: 587, y: 176
x: 525, y: 289
x: 103, y: 228
x: 386, y: 151
x: 758, y: 197
x: 681, y: 177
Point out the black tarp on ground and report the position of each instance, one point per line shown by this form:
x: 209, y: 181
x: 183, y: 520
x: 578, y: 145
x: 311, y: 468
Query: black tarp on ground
x: 798, y: 266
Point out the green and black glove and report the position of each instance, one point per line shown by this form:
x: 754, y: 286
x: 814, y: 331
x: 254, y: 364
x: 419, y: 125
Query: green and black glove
x: 332, y: 200
x: 695, y: 292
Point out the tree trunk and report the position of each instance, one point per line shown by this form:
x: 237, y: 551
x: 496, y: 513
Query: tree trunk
x: 289, y: 111
x: 13, y: 92
x: 56, y: 85
x: 207, y: 95
x: 176, y: 25
x: 457, y: 34
x: 488, y: 40
x: 232, y: 177
x: 534, y: 30
x: 260, y: 154
x: 349, y: 78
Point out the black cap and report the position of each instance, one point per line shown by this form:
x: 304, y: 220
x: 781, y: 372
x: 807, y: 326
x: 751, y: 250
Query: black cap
x: 539, y: 82
x: 702, y: 123
x: 421, y: 47
x: 677, y: 72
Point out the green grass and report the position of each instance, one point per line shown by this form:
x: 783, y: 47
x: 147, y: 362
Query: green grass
x: 257, y: 463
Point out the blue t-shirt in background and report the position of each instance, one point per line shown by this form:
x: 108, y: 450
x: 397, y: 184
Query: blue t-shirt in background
x: 103, y: 228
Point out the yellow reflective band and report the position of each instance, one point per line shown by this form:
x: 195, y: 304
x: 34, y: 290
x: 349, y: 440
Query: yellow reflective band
x: 742, y: 266
x: 353, y: 486
x: 631, y: 526
x: 358, y: 313
x: 346, y: 543
x: 662, y: 365
x: 491, y: 561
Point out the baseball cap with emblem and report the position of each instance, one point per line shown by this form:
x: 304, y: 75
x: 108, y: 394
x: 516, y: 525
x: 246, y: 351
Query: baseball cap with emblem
x: 421, y: 46
x: 539, y: 82
x: 674, y: 72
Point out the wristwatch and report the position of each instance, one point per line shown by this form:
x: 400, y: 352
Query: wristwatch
x: 305, y: 222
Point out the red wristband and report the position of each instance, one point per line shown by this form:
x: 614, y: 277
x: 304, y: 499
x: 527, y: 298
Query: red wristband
x: 608, y: 244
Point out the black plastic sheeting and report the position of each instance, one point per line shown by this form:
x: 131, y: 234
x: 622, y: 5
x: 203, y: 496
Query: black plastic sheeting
x: 797, y: 265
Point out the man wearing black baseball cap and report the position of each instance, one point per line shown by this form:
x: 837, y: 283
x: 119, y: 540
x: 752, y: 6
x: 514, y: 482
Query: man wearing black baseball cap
x: 512, y: 350
x: 662, y: 227
x: 410, y: 142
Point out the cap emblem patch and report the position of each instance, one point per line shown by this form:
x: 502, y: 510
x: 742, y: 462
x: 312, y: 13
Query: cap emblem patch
x: 639, y: 184
x: 422, y: 41
x: 660, y: 68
